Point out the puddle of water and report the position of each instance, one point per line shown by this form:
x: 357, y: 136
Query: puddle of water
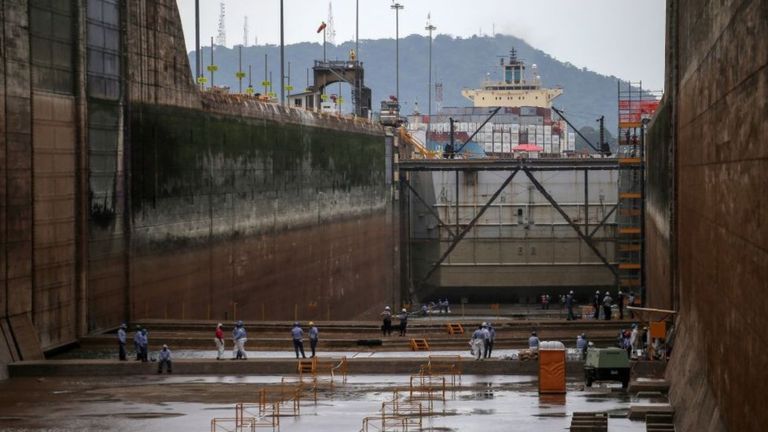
x: 482, y: 404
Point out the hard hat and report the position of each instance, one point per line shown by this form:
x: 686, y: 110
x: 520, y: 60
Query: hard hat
x: 295, y: 323
x: 597, y: 292
x: 607, y: 293
x: 485, y: 324
x: 571, y: 291
x: 218, y: 325
x: 122, y: 326
x: 404, y: 310
x: 387, y: 308
x: 591, y: 344
x: 165, y: 346
x: 239, y: 323
x: 311, y: 323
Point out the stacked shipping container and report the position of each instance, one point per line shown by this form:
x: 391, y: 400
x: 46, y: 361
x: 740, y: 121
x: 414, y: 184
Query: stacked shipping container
x: 509, y: 128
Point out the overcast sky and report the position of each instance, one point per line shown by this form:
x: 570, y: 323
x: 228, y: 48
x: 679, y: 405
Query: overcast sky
x: 624, y: 38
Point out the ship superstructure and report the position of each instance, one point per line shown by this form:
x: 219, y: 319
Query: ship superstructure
x: 514, y: 90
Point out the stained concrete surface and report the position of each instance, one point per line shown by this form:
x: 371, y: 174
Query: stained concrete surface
x: 171, y: 403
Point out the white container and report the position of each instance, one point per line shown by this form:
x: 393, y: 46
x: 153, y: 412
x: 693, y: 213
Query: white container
x: 551, y: 345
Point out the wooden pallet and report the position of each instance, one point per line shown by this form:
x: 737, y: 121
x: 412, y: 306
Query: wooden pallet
x: 454, y: 329
x: 419, y: 345
x: 307, y: 367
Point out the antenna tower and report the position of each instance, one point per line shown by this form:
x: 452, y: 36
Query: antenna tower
x: 439, y: 95
x: 221, y: 38
x: 330, y: 31
x: 245, y: 32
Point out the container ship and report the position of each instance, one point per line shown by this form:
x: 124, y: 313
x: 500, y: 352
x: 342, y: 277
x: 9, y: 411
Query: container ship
x: 524, y: 124
x: 522, y: 247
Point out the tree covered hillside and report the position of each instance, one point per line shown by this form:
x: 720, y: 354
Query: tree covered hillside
x: 457, y: 63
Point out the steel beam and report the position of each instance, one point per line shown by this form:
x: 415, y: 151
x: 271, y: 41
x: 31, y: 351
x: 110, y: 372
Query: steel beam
x: 493, y: 113
x: 586, y: 201
x: 604, y: 164
x: 602, y: 222
x: 469, y: 226
x: 573, y: 225
x: 428, y: 206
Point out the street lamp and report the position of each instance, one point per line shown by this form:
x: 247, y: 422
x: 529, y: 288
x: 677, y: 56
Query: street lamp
x: 397, y: 7
x: 198, y: 60
x: 430, y: 28
x: 282, y: 57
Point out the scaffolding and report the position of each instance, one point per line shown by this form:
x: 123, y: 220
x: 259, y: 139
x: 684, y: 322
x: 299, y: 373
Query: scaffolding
x: 446, y: 366
x: 636, y: 107
x: 315, y: 368
x: 284, y: 399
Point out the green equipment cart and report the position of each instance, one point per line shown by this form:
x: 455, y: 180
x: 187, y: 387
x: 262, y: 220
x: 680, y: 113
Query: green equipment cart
x: 606, y: 364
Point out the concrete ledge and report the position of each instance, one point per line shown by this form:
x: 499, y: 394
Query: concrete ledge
x: 272, y: 366
x: 660, y: 386
x: 638, y: 412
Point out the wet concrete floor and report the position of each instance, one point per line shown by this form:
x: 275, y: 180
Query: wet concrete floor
x: 188, y: 403
x: 571, y: 354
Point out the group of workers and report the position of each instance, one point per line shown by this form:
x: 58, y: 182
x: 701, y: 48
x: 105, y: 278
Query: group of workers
x: 297, y: 334
x: 140, y: 342
x: 239, y: 338
x: 386, y: 321
x: 440, y: 306
x: 631, y: 340
x: 481, y: 344
x: 600, y: 302
x: 141, y: 347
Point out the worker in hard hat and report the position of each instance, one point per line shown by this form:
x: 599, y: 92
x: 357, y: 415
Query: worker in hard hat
x: 164, y: 360
x: 533, y: 342
x: 219, y: 339
x: 298, y: 339
x: 386, y: 317
x: 403, y: 317
x: 144, y: 344
x: 121, y: 339
x: 137, y: 342
x: 314, y: 334
x: 581, y: 345
x: 478, y: 342
x: 569, y: 300
x: 620, y: 301
x: 491, y: 337
x: 596, y: 302
x: 239, y: 338
x: 607, y: 301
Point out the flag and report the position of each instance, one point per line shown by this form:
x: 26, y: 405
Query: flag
x: 322, y: 27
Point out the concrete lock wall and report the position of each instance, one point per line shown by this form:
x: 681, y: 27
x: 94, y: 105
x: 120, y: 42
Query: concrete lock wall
x: 127, y: 193
x: 707, y: 235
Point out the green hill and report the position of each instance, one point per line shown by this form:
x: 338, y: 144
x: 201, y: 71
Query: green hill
x: 457, y: 63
